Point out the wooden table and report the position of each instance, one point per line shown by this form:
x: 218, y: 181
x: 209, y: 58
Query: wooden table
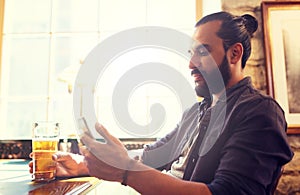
x: 15, y: 179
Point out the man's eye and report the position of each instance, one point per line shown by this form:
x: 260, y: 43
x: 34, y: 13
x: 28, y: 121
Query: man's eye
x: 199, y: 52
x: 202, y: 52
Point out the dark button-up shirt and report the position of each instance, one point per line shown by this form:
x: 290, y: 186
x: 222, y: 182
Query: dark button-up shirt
x: 241, y: 147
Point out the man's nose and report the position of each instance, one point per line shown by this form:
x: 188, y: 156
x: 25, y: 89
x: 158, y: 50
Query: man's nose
x: 194, y: 62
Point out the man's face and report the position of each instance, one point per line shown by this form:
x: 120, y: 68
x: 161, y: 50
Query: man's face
x: 209, y: 65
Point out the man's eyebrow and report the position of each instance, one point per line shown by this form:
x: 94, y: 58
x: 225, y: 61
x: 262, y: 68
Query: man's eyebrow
x: 201, y: 46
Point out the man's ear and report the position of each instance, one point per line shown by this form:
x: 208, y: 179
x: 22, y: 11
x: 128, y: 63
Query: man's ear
x: 236, y: 53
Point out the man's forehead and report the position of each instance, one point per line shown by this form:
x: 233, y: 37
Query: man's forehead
x: 206, y: 34
x: 209, y: 27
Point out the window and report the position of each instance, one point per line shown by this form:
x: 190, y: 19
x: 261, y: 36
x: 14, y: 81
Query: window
x: 43, y: 41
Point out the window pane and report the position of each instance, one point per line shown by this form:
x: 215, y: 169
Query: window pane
x: 170, y: 13
x: 210, y: 6
x: 44, y: 42
x: 61, y: 111
x: 20, y: 116
x: 28, y: 60
x: 145, y: 94
x: 75, y: 15
x: 27, y: 16
x: 68, y: 52
x: 119, y: 14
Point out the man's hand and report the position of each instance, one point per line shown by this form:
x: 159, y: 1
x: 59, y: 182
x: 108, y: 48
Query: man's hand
x: 105, y: 160
x: 67, y: 165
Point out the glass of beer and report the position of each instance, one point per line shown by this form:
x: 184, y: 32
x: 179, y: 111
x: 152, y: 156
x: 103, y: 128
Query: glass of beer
x: 44, y: 144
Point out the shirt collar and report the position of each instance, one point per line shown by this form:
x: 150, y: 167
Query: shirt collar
x: 232, y: 90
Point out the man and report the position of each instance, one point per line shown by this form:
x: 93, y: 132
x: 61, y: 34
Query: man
x: 233, y: 142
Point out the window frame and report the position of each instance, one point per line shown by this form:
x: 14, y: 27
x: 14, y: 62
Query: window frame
x: 198, y: 14
x: 2, y: 5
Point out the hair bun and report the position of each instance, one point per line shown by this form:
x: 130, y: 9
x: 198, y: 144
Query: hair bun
x: 250, y: 23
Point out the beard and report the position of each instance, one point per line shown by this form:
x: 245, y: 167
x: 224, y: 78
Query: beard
x: 215, y: 81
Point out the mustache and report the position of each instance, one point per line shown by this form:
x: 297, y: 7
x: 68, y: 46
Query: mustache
x: 196, y: 71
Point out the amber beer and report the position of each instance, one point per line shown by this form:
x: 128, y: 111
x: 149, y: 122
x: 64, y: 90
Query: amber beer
x: 44, y: 145
x: 43, y: 166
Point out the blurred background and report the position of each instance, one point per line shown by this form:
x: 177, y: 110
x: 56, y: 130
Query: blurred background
x: 44, y: 43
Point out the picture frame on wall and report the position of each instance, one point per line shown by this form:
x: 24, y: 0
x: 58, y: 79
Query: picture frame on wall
x: 281, y: 25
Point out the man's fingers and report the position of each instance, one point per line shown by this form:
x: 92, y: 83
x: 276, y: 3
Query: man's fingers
x: 87, y: 140
x: 105, y: 134
x: 30, y: 164
x: 61, y: 156
x: 83, y: 150
x: 102, y: 131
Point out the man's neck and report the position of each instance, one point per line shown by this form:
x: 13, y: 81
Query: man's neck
x: 215, y: 97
